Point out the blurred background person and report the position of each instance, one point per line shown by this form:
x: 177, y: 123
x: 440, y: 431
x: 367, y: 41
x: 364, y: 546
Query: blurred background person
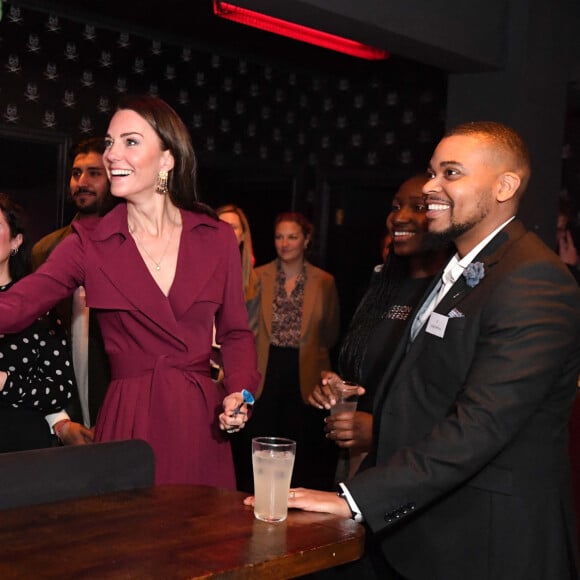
x: 568, y: 237
x: 379, y: 321
x: 386, y: 242
x: 89, y: 191
x: 36, y: 374
x: 298, y: 325
x: 233, y: 215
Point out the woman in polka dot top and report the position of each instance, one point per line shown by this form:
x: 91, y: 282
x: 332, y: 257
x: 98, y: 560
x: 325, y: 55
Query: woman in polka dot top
x: 36, y: 374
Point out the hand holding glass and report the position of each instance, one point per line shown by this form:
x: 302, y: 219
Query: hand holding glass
x: 346, y: 394
x: 273, y: 461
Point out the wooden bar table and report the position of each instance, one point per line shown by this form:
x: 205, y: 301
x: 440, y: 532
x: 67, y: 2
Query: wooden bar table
x: 169, y: 532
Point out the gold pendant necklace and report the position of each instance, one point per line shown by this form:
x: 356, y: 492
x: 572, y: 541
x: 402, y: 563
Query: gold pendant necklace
x: 133, y: 232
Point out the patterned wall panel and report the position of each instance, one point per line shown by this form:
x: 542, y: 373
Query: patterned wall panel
x: 66, y: 75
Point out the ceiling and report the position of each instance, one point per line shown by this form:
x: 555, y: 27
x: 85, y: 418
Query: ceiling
x: 194, y: 21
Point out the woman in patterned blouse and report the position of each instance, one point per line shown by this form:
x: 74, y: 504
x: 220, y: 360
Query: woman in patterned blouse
x: 36, y: 375
x: 298, y: 324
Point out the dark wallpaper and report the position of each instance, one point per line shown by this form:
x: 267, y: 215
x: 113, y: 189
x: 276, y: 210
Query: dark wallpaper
x: 65, y: 75
x: 333, y: 142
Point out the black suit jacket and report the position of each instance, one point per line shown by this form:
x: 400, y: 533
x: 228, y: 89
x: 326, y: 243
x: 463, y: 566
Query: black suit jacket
x: 99, y: 369
x: 471, y: 477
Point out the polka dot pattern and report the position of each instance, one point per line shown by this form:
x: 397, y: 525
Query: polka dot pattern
x: 37, y: 360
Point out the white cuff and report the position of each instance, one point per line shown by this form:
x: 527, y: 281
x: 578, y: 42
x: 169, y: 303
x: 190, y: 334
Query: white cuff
x: 356, y: 513
x: 54, y: 418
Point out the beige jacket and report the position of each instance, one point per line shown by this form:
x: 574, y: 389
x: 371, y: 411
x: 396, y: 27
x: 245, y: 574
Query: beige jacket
x: 320, y: 324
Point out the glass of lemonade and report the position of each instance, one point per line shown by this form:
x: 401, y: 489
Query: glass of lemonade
x: 346, y: 394
x: 273, y: 461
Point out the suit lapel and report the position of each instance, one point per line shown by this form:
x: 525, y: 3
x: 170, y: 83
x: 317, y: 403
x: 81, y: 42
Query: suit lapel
x: 490, y: 255
x: 408, y: 353
x: 453, y: 296
x: 403, y: 354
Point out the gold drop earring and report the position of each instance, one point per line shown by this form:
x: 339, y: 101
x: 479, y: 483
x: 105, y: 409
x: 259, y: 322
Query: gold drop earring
x: 162, y: 179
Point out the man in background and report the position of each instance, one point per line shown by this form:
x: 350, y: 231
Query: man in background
x: 568, y: 237
x: 89, y: 190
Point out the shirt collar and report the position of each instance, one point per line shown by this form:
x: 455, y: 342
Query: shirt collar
x: 455, y: 266
x: 115, y: 222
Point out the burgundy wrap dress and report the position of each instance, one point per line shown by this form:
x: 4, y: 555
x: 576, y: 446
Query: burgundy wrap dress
x: 159, y: 346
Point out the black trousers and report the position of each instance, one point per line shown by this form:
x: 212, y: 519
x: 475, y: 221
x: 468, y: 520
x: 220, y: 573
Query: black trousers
x: 23, y: 429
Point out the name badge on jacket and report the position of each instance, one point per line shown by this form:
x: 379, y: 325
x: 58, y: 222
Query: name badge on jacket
x: 437, y: 324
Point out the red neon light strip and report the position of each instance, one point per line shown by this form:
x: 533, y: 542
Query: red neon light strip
x: 297, y: 31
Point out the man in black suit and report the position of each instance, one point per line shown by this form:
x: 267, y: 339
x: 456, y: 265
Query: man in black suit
x: 469, y: 476
x: 89, y: 191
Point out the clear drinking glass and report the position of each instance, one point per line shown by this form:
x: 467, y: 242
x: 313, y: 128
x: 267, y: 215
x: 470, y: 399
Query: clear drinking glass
x: 273, y: 461
x: 346, y: 394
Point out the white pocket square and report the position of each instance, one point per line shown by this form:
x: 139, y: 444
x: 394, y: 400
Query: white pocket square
x: 456, y: 314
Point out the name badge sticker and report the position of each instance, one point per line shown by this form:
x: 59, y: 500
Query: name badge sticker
x: 437, y: 324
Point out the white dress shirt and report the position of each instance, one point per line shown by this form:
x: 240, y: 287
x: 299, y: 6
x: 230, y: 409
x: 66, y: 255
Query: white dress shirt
x: 80, y: 357
x: 453, y: 270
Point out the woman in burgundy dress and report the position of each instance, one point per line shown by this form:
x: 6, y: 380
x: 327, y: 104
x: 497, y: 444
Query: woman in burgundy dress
x: 159, y: 269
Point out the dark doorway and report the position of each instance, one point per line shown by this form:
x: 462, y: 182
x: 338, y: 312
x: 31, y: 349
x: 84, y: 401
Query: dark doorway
x: 34, y: 175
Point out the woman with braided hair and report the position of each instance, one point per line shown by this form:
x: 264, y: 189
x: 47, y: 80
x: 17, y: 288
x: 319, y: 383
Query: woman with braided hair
x: 378, y: 323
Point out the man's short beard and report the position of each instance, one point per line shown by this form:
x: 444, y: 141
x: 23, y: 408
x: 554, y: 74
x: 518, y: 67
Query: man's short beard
x: 453, y: 232
x: 432, y: 242
x: 92, y: 209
